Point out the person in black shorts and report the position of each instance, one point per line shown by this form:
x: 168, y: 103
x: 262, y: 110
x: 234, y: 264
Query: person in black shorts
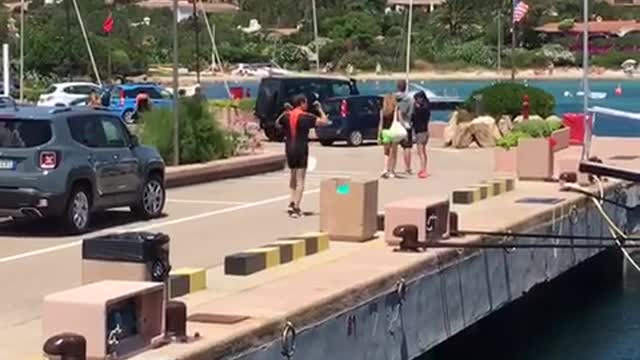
x: 420, y: 121
x: 296, y: 124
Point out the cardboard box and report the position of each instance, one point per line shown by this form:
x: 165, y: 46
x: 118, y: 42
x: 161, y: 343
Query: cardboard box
x: 94, y: 310
x: 349, y: 209
x: 430, y: 215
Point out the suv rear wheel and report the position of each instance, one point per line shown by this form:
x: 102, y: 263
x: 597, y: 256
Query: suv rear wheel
x: 355, y: 138
x: 77, y: 215
x: 152, y: 199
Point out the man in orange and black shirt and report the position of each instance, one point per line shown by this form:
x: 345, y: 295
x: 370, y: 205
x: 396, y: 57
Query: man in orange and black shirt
x: 296, y: 124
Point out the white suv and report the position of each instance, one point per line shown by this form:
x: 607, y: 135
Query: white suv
x: 64, y: 93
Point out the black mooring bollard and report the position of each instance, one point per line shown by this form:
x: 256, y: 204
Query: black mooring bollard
x: 66, y: 346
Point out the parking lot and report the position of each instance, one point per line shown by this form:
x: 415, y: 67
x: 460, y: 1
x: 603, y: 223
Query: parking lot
x: 206, y: 222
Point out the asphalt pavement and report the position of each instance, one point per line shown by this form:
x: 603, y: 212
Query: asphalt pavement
x: 206, y: 222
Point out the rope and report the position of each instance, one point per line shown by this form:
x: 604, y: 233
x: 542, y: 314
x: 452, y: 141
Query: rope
x: 614, y: 230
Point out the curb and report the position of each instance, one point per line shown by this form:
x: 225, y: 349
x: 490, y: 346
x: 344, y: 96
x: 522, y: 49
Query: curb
x: 484, y: 190
x: 276, y: 253
x: 223, y: 169
x: 185, y: 281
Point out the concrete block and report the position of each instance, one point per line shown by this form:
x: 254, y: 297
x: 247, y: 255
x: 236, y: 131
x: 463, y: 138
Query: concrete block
x: 290, y: 250
x: 498, y: 186
x: 510, y: 182
x: 321, y: 238
x: 466, y: 196
x: 196, y: 277
x: 484, y: 190
x: 178, y: 285
x: 245, y: 263
x: 271, y: 255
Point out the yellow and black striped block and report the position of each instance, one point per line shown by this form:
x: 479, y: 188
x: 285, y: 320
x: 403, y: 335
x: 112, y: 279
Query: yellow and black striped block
x: 185, y: 281
x: 276, y: 253
x: 510, y: 183
x: 484, y: 190
x: 466, y: 196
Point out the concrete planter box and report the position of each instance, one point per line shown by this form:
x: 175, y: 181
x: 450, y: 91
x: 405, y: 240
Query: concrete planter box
x: 561, y: 139
x: 506, y: 161
x: 535, y: 159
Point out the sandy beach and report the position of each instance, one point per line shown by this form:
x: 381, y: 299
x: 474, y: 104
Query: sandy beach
x: 530, y: 74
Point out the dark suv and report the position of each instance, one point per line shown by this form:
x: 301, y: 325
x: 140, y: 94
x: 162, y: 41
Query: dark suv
x: 275, y: 91
x: 354, y: 119
x: 69, y: 162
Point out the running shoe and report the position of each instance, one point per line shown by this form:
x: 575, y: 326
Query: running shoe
x: 385, y: 175
x: 409, y: 172
x: 295, y: 213
x: 423, y: 175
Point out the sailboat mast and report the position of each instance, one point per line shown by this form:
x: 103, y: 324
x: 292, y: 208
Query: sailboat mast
x: 409, y: 29
x: 86, y: 41
x: 315, y: 35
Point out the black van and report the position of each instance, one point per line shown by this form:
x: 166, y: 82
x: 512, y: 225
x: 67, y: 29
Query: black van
x: 275, y: 91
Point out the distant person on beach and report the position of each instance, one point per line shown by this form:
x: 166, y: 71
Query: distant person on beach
x: 405, y: 113
x: 296, y: 124
x: 420, y: 120
x: 389, y: 107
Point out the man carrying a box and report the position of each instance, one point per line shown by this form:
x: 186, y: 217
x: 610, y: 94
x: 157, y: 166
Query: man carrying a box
x: 296, y: 124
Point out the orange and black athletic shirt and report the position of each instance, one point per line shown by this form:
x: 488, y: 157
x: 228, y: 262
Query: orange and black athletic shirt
x: 296, y: 125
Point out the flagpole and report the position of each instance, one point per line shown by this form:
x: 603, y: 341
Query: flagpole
x: 513, y: 40
x: 109, y: 64
x: 176, y: 124
x: 21, y: 50
x: 585, y: 82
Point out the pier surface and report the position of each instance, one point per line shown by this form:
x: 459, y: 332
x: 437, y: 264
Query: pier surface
x: 343, y: 301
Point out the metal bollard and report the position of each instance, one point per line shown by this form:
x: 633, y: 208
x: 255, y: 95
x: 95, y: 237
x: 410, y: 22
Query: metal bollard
x: 65, y: 346
x: 176, y: 321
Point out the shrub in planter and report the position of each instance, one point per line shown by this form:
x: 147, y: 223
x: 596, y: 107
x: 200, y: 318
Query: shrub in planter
x: 506, y: 99
x: 201, y: 138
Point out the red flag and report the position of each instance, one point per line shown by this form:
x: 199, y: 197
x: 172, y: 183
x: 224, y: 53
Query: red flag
x: 107, y: 26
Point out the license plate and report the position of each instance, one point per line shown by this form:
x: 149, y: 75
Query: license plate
x: 6, y: 164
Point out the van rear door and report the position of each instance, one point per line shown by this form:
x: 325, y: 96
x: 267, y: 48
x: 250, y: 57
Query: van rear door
x: 267, y: 100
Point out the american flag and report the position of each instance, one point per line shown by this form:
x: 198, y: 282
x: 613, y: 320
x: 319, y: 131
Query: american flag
x: 520, y: 9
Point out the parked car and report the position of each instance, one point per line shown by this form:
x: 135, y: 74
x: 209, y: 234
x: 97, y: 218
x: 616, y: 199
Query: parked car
x: 123, y: 99
x: 71, y: 162
x: 353, y: 119
x: 64, y: 93
x: 274, y: 92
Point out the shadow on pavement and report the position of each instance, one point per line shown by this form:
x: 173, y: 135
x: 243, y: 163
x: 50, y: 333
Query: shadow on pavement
x: 49, y: 227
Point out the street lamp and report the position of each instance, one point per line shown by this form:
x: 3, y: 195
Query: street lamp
x: 176, y: 124
x: 196, y: 30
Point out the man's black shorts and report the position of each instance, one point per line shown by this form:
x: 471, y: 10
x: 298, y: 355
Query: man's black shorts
x: 297, y: 160
x: 407, y: 143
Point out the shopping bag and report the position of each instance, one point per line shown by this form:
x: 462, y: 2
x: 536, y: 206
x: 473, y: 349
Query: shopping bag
x: 396, y: 131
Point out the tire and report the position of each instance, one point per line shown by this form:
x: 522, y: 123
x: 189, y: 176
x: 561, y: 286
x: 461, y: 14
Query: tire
x: 273, y: 134
x: 128, y: 118
x: 326, y: 142
x: 152, y: 199
x: 355, y: 138
x: 77, y: 214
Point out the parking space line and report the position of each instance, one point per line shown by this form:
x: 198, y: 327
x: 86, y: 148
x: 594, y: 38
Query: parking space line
x: 153, y: 226
x: 206, y: 202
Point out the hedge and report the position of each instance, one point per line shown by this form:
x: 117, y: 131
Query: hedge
x: 506, y: 99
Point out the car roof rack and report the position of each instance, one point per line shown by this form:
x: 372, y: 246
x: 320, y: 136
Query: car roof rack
x: 59, y: 109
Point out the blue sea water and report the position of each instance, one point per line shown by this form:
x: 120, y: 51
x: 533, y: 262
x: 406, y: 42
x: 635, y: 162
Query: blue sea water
x: 605, y: 125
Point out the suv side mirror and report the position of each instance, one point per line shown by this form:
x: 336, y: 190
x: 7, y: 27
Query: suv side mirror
x: 134, y: 140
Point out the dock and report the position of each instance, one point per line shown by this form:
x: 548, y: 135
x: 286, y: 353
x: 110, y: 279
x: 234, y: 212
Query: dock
x: 360, y: 300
